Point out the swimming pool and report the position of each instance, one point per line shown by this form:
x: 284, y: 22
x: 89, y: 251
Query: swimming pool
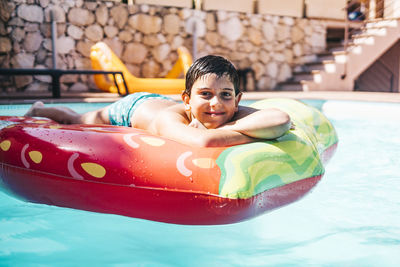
x: 351, y: 217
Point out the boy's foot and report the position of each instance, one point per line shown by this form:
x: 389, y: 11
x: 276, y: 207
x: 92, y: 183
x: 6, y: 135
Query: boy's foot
x: 31, y: 111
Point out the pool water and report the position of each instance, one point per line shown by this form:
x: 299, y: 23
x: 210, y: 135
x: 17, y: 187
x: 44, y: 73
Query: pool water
x: 351, y: 218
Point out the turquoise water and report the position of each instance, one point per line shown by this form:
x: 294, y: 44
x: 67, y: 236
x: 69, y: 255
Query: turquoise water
x: 351, y: 218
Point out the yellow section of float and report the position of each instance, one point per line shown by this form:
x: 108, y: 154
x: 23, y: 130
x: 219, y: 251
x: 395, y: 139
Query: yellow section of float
x: 103, y: 58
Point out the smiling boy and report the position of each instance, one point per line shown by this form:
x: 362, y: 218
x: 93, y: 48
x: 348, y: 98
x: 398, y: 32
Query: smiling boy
x: 210, y: 114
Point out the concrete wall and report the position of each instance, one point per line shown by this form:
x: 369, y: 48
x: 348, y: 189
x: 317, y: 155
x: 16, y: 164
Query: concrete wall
x: 291, y: 8
x: 327, y: 9
x: 392, y: 9
x: 170, y: 3
x: 231, y: 5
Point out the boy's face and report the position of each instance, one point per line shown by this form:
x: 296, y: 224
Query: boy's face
x: 212, y: 101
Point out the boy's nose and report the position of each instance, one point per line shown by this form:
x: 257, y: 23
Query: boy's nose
x: 214, y: 101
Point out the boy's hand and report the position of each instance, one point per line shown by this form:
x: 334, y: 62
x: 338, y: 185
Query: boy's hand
x: 196, y: 124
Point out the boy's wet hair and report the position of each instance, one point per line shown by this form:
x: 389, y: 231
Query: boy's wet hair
x: 211, y: 64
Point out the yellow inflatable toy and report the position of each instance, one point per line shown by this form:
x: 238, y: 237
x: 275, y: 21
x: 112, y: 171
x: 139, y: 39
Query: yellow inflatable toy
x: 103, y: 58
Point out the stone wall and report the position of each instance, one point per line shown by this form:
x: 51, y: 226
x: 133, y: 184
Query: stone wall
x: 146, y: 37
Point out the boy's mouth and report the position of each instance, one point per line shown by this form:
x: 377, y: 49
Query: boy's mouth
x: 215, y: 113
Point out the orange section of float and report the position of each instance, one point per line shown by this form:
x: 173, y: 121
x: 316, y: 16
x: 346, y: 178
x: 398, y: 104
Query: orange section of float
x: 103, y: 58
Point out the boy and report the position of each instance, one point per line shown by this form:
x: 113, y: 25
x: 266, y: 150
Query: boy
x: 210, y: 114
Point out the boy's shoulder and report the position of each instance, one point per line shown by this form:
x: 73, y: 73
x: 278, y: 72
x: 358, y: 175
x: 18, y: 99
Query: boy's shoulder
x: 175, y: 111
x: 243, y: 111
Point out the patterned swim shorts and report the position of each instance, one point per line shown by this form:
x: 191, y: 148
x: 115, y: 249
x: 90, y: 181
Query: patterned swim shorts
x: 120, y: 112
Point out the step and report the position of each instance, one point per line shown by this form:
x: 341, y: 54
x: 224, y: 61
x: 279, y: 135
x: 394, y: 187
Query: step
x: 289, y: 86
x: 354, y: 49
x: 313, y: 66
x: 338, y: 48
x: 302, y: 75
x: 319, y: 65
x: 352, y: 45
x: 361, y: 39
x: 382, y: 23
x: 325, y: 56
x: 340, y: 56
x: 376, y: 31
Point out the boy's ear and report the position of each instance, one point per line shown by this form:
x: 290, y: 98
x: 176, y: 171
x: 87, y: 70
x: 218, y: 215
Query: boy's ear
x: 237, y: 100
x: 185, y: 98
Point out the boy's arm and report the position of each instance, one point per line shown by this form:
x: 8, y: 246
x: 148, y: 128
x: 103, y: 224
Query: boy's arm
x: 264, y: 123
x: 174, y: 126
x: 250, y: 125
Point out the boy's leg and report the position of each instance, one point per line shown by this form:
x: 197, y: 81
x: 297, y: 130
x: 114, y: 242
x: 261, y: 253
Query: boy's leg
x: 99, y: 116
x: 68, y: 116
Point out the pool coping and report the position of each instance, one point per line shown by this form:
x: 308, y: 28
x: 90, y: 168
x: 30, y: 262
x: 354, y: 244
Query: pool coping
x: 91, y: 97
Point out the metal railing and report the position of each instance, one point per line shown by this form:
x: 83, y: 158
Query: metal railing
x: 56, y: 73
x: 365, y: 11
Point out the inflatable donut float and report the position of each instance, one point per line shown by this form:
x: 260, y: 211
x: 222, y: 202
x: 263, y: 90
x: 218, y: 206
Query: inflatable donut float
x: 126, y: 171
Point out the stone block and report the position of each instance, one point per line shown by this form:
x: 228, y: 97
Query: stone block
x: 116, y: 45
x: 33, y: 41
x: 145, y: 23
x: 83, y: 47
x: 102, y: 15
x: 5, y: 10
x: 232, y: 29
x: 80, y: 17
x: 119, y: 15
x: 69, y: 78
x: 151, y: 69
x: 94, y: 32
x: 21, y: 81
x: 65, y: 44
x: 23, y: 60
x: 79, y: 87
x: 110, y: 31
x: 42, y: 78
x: 161, y: 52
x: 125, y: 36
x: 174, y: 3
x: 75, y: 32
x: 172, y: 24
x: 291, y: 8
x: 58, y: 13
x: 326, y: 9
x: 134, y: 53
x: 31, y: 13
x: 18, y: 34
x: 5, y: 45
x: 3, y: 30
x: 232, y: 5
x: 37, y: 87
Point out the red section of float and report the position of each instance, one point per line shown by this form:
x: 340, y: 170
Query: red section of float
x: 182, y: 207
x: 124, y: 171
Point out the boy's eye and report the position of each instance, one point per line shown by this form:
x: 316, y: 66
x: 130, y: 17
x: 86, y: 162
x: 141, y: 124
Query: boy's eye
x: 226, y: 94
x: 205, y: 93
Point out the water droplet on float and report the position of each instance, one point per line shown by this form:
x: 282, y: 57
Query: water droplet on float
x: 191, y: 179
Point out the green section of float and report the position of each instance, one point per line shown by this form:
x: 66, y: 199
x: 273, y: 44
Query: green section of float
x: 250, y: 169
